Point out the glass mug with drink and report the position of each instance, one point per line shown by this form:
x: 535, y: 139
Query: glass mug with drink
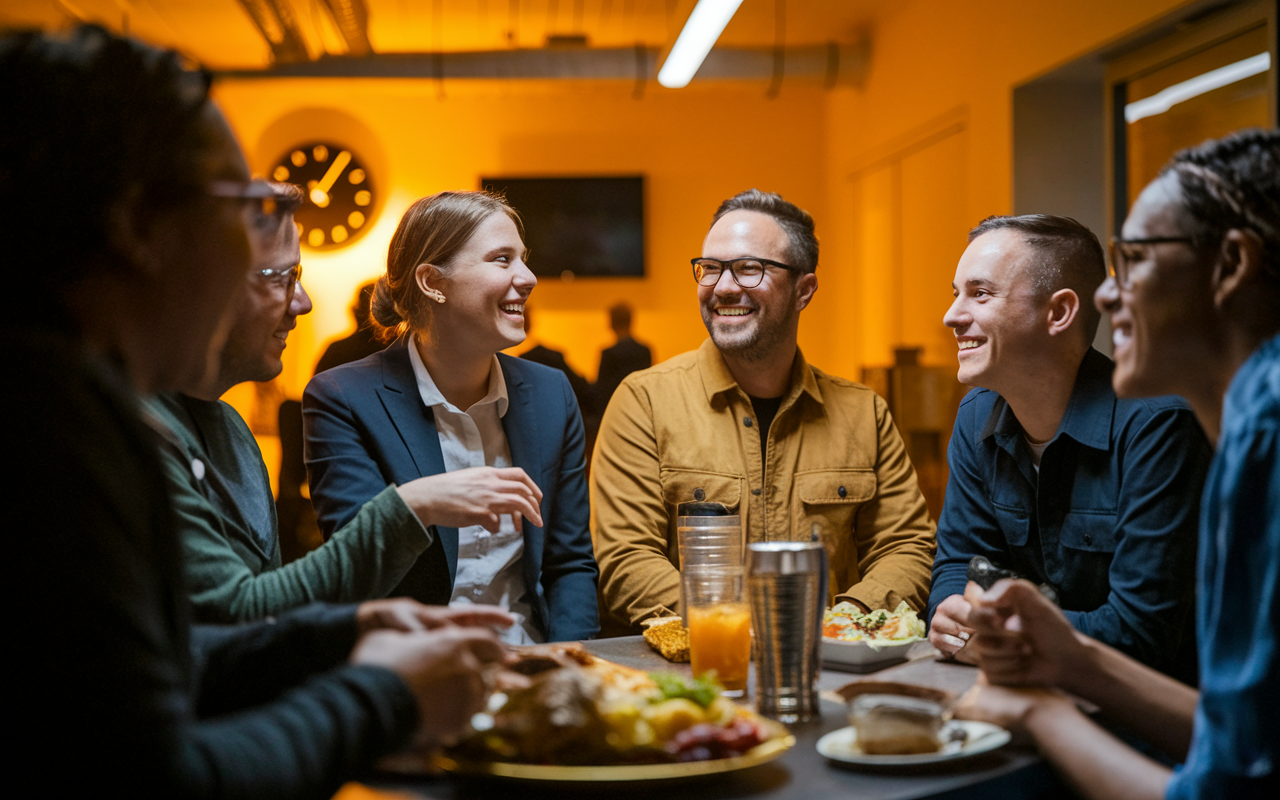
x: 719, y: 621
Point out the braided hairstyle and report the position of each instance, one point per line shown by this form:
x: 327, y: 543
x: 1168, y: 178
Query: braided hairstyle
x: 1234, y: 182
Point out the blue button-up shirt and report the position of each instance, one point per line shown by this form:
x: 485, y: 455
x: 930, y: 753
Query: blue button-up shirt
x: 1235, y: 747
x: 1109, y: 521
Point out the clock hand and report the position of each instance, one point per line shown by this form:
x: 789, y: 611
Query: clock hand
x: 331, y: 177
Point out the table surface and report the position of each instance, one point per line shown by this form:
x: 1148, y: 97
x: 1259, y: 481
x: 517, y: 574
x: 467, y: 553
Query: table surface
x: 1012, y: 771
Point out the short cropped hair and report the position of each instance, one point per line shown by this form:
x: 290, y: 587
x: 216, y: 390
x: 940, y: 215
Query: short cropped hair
x: 1234, y: 182
x: 1069, y: 257
x: 798, y: 224
x: 90, y: 120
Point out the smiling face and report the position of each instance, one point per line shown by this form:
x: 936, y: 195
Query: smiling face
x: 485, y: 287
x: 265, y: 312
x: 752, y: 323
x: 1000, y: 326
x: 1163, y: 321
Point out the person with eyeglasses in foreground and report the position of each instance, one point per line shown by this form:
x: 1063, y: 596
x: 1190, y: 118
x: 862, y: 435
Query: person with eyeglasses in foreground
x: 746, y: 422
x: 127, y: 287
x: 219, y: 485
x: 1053, y: 477
x: 1194, y: 300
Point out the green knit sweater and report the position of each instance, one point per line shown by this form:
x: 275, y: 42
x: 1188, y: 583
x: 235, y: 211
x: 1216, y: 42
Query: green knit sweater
x: 230, y: 575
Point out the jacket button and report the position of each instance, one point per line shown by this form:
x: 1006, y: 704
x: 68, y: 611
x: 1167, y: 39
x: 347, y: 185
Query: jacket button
x: 842, y: 491
x: 1088, y: 538
x: 699, y: 495
x: 756, y: 492
x: 746, y: 421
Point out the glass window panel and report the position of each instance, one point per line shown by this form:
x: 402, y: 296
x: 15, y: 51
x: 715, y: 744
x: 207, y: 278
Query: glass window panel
x: 1241, y: 104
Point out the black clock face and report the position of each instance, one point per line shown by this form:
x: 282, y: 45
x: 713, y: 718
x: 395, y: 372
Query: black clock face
x: 338, y: 207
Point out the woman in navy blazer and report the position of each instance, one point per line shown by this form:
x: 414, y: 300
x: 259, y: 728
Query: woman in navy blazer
x: 455, y: 289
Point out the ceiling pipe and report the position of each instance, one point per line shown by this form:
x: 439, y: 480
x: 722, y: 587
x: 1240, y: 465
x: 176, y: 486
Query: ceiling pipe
x: 827, y: 64
x: 275, y: 21
x: 352, y: 20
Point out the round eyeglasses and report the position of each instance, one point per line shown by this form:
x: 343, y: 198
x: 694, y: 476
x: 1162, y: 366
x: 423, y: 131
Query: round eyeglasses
x: 747, y: 272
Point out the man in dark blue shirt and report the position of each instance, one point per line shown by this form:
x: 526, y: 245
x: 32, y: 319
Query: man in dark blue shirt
x: 1193, y: 300
x: 1052, y: 476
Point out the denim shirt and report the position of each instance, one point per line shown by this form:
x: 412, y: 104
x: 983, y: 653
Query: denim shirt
x: 1109, y: 521
x: 1235, y: 744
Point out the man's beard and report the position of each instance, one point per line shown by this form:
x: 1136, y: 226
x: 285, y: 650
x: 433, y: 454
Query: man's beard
x: 759, y: 343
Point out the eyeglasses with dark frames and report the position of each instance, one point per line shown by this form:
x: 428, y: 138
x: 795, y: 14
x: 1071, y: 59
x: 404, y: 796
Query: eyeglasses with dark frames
x: 258, y: 194
x: 1119, y: 260
x: 282, y: 277
x: 747, y: 272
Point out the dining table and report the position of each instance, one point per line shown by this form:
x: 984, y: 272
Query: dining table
x: 1013, y: 771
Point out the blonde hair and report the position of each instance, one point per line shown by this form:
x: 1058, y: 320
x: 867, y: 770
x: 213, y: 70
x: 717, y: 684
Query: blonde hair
x: 432, y: 231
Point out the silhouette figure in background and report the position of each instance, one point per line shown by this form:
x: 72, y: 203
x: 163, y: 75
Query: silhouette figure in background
x: 359, y: 344
x: 541, y: 354
x: 297, y: 527
x: 625, y: 357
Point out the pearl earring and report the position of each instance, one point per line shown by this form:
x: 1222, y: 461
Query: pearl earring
x: 434, y: 294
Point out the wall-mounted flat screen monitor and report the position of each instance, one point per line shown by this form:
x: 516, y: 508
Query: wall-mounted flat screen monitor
x: 579, y: 227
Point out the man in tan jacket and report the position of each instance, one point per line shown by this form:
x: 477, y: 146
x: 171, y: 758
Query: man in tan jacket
x: 746, y: 422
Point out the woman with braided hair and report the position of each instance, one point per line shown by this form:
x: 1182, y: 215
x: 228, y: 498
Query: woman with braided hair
x: 1194, y: 299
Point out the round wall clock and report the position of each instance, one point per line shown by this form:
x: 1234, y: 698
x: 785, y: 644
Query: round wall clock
x: 339, y: 204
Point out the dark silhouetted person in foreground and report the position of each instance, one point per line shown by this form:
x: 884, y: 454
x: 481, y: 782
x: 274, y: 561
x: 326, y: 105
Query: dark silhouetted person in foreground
x: 125, y: 198
x: 624, y: 358
x: 1194, y: 299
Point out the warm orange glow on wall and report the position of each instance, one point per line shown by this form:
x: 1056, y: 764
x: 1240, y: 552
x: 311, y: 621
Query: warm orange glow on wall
x: 894, y: 171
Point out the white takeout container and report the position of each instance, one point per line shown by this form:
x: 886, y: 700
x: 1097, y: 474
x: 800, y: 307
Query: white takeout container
x: 838, y: 654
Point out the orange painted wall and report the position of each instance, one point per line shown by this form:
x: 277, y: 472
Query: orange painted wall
x: 695, y: 148
x: 895, y: 171
x: 924, y: 150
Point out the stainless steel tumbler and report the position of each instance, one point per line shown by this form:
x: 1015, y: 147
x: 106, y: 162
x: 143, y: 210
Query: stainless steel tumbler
x: 787, y: 586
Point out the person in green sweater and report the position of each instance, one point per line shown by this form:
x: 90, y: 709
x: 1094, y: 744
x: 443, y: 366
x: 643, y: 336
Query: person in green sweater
x: 221, y: 493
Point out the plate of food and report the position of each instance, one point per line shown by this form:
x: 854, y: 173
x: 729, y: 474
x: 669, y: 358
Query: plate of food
x: 898, y: 724
x: 962, y: 739
x: 585, y: 719
x: 858, y: 641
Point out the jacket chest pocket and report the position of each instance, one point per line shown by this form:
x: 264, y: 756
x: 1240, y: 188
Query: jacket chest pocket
x: 1015, y: 524
x: 688, y: 486
x: 830, y: 499
x: 1089, y: 531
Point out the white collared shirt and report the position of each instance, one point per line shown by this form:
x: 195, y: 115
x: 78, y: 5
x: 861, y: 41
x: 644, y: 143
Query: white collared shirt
x: 489, y: 568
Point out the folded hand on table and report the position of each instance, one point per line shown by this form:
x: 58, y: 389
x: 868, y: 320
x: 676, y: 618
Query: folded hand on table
x: 1021, y: 638
x: 949, y: 631
x: 444, y: 669
x: 404, y: 614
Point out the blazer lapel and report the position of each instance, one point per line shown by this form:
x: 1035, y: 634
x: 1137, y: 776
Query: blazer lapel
x: 416, y: 425
x: 521, y: 426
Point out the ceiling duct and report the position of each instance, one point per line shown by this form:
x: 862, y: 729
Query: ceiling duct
x: 275, y: 21
x: 352, y: 19
x: 828, y: 64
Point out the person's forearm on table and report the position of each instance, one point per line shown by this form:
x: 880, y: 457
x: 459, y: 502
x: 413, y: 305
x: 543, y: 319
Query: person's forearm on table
x: 1154, y: 706
x: 1097, y: 764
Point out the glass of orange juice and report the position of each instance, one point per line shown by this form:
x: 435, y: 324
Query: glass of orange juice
x: 719, y: 620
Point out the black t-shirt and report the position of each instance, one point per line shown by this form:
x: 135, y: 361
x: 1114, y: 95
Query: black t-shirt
x: 766, y: 409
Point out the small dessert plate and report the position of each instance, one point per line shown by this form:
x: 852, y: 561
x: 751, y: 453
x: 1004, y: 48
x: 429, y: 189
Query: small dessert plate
x: 980, y: 737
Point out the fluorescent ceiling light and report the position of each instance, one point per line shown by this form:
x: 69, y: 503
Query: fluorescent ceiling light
x: 1164, y: 100
x: 700, y: 32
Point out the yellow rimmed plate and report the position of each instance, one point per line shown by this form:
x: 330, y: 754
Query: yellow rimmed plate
x: 760, y: 754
